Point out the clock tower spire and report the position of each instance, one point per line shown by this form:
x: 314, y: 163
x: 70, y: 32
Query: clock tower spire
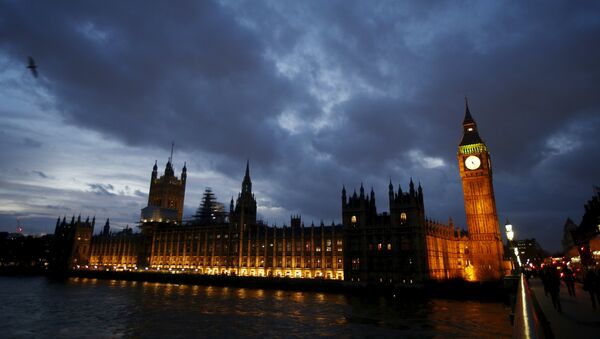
x: 470, y: 134
x: 486, y: 252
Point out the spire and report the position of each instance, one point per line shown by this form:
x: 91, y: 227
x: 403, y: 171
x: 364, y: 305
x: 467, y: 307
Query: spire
x: 184, y: 171
x: 247, y: 183
x: 470, y: 134
x: 390, y: 186
x: 372, y: 195
x: 169, y: 169
x: 362, y: 190
x: 468, y: 118
x: 411, y: 187
x: 154, y: 171
x: 106, y: 229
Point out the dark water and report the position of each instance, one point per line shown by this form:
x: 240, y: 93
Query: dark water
x: 36, y: 307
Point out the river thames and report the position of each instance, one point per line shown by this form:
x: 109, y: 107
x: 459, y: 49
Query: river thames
x: 80, y: 307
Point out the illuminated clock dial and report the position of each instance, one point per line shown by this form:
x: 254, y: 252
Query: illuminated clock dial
x: 472, y: 162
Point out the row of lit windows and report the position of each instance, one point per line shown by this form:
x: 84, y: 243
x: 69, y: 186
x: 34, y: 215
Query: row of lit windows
x: 381, y: 247
x: 173, y: 238
x: 328, y: 248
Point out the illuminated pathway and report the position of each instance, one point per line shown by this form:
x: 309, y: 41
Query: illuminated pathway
x: 577, y: 320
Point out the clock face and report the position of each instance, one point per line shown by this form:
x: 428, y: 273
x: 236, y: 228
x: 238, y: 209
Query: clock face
x: 472, y: 162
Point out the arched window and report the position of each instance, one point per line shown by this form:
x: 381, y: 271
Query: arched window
x: 403, y: 217
x: 353, y: 219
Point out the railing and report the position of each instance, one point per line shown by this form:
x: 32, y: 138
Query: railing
x: 526, y: 323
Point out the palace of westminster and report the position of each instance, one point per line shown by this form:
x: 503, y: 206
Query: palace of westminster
x: 395, y: 248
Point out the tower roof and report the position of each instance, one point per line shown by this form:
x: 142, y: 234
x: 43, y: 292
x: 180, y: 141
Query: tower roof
x: 468, y: 118
x: 470, y: 134
x: 247, y: 182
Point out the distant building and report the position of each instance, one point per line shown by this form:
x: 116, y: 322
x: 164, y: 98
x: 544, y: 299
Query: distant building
x: 582, y: 242
x: 25, y: 253
x: 529, y: 249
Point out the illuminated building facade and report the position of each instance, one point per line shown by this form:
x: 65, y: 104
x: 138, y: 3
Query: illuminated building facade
x: 238, y: 245
x: 118, y: 249
x: 165, y: 199
x: 447, y: 251
x: 395, y: 248
x: 485, y: 242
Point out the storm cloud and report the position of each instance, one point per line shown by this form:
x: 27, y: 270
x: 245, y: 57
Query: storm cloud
x: 316, y: 94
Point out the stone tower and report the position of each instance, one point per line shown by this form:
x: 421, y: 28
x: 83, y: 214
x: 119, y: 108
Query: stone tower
x: 243, y: 214
x: 166, y: 196
x: 72, y: 244
x: 385, y: 249
x: 486, y: 252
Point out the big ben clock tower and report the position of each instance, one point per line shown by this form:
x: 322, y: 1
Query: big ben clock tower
x: 486, y: 250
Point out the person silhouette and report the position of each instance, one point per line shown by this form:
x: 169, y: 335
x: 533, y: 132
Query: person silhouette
x: 590, y: 284
x: 553, y: 277
x: 569, y: 280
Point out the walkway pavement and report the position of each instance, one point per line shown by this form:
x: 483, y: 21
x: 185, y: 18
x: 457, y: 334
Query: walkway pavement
x: 578, y: 319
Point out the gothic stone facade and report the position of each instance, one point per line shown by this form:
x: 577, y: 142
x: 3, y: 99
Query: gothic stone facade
x: 241, y: 246
x: 399, y: 247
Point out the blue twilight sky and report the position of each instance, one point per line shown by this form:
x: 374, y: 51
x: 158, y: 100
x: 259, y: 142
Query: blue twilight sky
x: 316, y: 94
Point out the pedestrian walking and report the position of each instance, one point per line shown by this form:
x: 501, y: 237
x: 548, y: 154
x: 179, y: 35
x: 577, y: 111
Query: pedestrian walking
x: 569, y: 280
x: 544, y: 279
x: 590, y: 285
x: 553, y: 278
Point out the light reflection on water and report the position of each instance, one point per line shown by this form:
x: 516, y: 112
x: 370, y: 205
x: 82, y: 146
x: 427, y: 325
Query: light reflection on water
x: 111, y: 308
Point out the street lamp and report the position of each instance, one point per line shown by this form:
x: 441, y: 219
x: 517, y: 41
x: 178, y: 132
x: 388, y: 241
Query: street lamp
x: 510, y: 235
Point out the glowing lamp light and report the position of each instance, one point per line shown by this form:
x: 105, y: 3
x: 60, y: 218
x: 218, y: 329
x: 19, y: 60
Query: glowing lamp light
x: 510, y: 235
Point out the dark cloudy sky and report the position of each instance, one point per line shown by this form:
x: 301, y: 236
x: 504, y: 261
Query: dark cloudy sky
x: 316, y: 94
